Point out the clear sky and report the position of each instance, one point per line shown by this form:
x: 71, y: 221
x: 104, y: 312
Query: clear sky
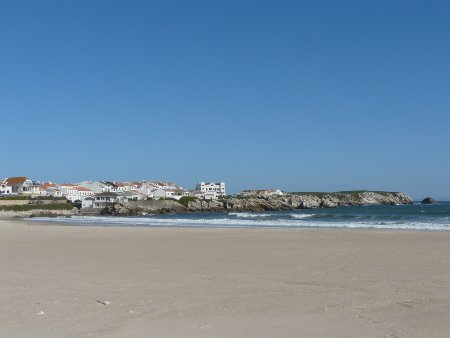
x: 296, y: 95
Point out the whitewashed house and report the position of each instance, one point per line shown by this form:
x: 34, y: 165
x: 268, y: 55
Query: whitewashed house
x: 103, y: 199
x: 126, y: 186
x: 19, y: 185
x: 33, y: 188
x: 211, y: 195
x: 43, y: 189
x: 110, y: 186
x: 5, y: 189
x: 145, y: 190
x: 162, y: 193
x: 54, y: 191
x: 133, y: 195
x: 209, y: 187
x: 67, y: 189
x: 75, y: 193
x: 148, y: 188
x: 170, y: 193
x: 87, y: 203
x: 83, y: 193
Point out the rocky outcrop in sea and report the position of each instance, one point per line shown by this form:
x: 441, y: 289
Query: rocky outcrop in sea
x: 428, y: 200
x: 291, y: 201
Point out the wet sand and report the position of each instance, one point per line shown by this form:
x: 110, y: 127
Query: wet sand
x: 173, y: 282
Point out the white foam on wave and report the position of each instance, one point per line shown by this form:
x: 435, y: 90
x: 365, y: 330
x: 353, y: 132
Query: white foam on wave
x: 301, y: 216
x: 250, y: 214
x: 241, y: 223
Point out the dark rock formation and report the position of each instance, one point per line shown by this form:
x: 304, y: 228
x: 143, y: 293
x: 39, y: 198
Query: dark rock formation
x: 137, y: 208
x: 428, y: 200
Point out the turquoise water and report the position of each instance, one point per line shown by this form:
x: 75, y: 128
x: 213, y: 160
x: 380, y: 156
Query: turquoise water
x: 414, y: 217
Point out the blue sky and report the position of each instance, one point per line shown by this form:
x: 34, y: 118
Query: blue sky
x: 297, y: 95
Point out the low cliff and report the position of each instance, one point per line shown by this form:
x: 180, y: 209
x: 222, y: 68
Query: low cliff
x: 300, y: 201
x: 39, y: 213
x: 290, y: 201
x: 38, y: 210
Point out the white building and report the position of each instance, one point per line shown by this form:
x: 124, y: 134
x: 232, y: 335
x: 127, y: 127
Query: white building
x: 133, y: 195
x: 88, y: 202
x: 20, y: 185
x: 209, y: 187
x: 53, y: 191
x: 75, y: 193
x: 170, y: 193
x: 67, y: 189
x: 127, y: 186
x: 83, y: 193
x: 211, y: 195
x: 110, y: 186
x: 103, y: 199
x: 43, y: 189
x: 5, y: 189
x: 145, y: 190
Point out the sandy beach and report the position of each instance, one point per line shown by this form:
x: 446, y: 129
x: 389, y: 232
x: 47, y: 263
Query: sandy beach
x: 75, y: 281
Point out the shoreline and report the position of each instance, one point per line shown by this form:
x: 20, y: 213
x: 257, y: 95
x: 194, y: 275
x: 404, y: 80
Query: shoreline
x: 98, y: 226
x: 374, y: 217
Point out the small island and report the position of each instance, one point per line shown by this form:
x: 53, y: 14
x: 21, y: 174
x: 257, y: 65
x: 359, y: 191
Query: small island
x: 428, y: 200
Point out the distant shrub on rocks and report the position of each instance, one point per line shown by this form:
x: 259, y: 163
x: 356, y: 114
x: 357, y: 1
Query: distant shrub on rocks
x: 28, y: 207
x: 186, y: 199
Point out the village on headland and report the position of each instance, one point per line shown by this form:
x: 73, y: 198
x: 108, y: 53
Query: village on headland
x: 22, y: 194
x: 96, y: 194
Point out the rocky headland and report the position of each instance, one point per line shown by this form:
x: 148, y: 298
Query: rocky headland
x: 287, y: 201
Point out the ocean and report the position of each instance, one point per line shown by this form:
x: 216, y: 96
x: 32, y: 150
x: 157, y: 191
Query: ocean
x: 412, y: 217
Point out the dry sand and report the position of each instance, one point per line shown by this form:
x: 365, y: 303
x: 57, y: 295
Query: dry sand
x: 222, y: 282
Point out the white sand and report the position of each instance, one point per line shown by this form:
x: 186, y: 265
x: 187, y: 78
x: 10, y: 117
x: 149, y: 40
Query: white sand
x: 222, y: 282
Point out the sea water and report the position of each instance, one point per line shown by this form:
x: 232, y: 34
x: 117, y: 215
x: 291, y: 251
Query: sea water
x: 414, y: 217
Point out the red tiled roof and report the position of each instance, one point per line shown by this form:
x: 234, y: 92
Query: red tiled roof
x: 16, y: 180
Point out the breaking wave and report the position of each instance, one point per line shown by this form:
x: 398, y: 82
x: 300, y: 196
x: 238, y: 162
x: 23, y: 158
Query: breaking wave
x: 301, y: 216
x: 250, y: 214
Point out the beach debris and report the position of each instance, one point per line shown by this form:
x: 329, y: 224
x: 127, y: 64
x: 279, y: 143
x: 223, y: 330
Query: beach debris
x: 203, y: 326
x: 41, y: 313
x: 103, y: 302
